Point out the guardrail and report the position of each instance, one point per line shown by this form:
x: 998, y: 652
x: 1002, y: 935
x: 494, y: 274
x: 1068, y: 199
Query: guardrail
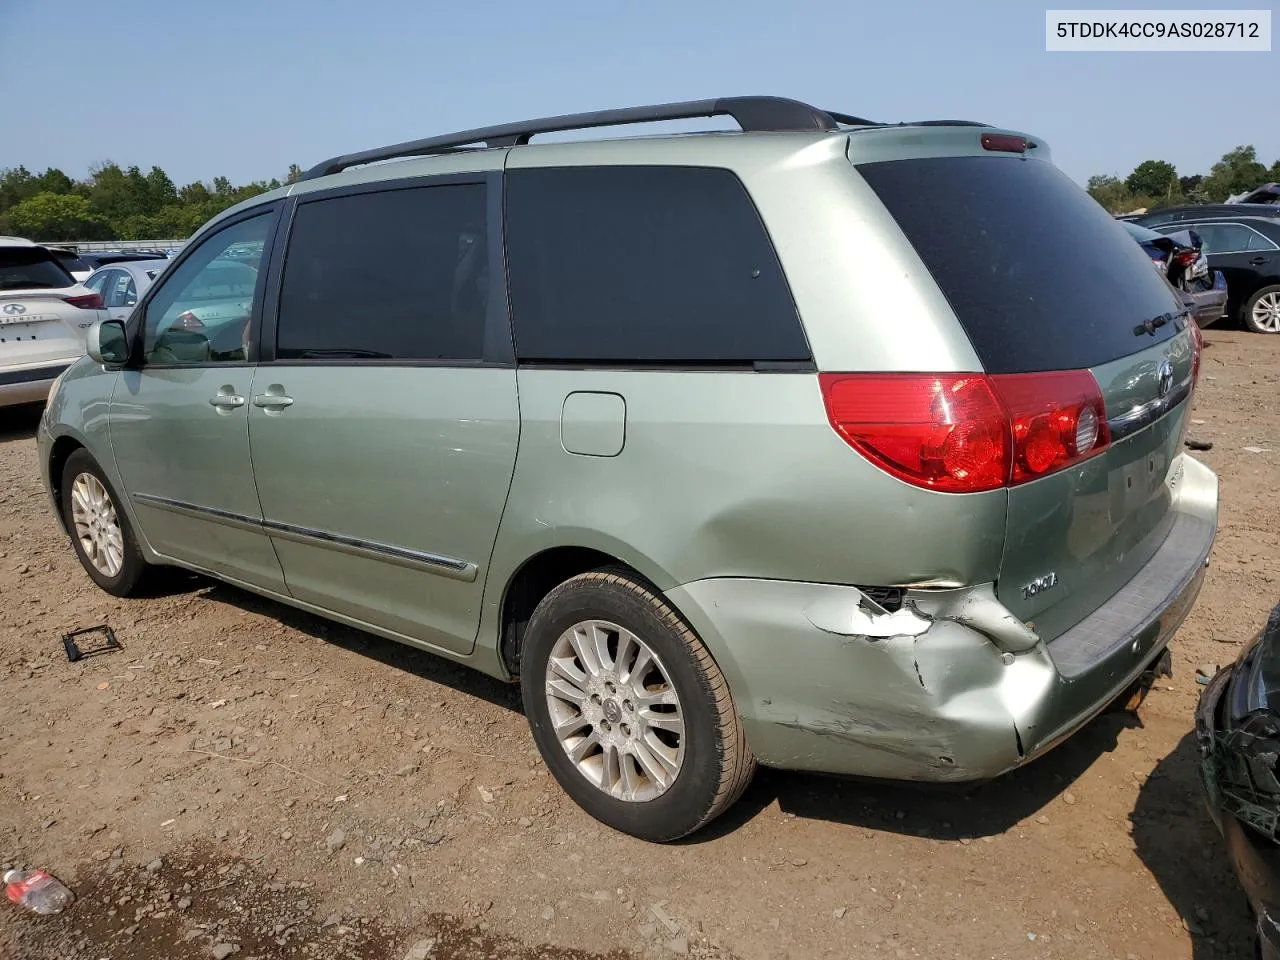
x: 91, y: 246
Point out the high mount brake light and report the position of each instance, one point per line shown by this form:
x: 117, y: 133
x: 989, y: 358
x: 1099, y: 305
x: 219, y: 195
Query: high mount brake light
x: 963, y: 433
x: 1004, y: 143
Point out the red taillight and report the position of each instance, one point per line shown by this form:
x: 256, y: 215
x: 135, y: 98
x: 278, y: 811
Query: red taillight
x: 1185, y: 258
x: 1004, y: 142
x: 940, y: 431
x: 87, y: 301
x: 962, y: 433
x: 1057, y: 419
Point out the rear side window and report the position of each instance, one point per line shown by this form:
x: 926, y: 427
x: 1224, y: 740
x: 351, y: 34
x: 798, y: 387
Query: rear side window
x: 70, y: 260
x: 393, y: 275
x: 1223, y: 238
x: 31, y: 268
x: 662, y: 265
x: 1040, y: 276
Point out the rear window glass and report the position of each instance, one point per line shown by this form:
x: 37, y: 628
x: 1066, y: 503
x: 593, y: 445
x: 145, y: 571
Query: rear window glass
x: 635, y: 265
x: 1038, y: 273
x: 24, y: 268
x: 70, y: 260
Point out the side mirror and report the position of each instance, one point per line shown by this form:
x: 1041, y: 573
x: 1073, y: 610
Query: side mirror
x: 107, y: 344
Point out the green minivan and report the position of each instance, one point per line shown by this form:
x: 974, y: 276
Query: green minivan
x: 827, y: 444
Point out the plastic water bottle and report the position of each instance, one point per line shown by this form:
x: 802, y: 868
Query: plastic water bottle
x: 36, y: 890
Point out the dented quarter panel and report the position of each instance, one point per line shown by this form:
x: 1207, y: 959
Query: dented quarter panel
x: 940, y: 706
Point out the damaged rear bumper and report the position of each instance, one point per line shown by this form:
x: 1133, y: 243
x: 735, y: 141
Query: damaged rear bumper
x: 957, y: 694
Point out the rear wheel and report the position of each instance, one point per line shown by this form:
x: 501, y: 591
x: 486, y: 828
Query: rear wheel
x: 629, y: 710
x: 1261, y: 312
x: 100, y: 530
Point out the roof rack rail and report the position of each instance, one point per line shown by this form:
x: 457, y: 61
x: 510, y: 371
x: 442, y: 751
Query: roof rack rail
x: 943, y: 123
x: 753, y: 114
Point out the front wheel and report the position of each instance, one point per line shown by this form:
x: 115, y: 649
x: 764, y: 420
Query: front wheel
x: 628, y: 709
x: 1261, y: 312
x: 100, y: 530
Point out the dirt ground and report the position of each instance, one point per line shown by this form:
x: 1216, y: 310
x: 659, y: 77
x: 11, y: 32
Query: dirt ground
x: 243, y: 780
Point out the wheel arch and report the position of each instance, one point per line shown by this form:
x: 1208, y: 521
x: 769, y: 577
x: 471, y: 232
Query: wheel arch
x: 542, y: 572
x: 59, y: 453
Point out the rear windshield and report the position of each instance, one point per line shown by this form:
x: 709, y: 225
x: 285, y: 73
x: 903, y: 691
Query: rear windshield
x: 1040, y: 276
x: 70, y: 260
x: 23, y: 268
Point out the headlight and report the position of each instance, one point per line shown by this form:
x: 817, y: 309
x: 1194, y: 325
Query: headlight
x: 1254, y: 683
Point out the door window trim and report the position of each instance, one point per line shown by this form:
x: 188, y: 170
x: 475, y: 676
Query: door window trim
x: 1271, y: 247
x: 136, y: 327
x: 499, y: 345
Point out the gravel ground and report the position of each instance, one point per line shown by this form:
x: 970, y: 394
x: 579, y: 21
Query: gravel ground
x: 242, y: 780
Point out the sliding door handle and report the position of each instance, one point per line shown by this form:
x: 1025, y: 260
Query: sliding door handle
x: 272, y: 401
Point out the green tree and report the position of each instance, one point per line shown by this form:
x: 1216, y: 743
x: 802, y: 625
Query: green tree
x: 57, y: 216
x: 1111, y: 193
x: 54, y: 180
x: 16, y: 185
x: 1237, y: 172
x: 160, y: 189
x: 110, y: 193
x: 295, y: 173
x: 193, y: 194
x: 1153, y: 178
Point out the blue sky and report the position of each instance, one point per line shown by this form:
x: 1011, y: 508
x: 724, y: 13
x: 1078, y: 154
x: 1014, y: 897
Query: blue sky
x: 243, y: 88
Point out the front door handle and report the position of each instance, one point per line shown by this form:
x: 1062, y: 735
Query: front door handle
x: 1259, y: 261
x: 272, y: 401
x: 226, y: 401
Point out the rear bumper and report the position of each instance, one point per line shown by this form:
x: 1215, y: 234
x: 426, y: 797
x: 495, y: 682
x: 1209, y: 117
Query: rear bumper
x: 29, y: 384
x: 933, y: 698
x: 1210, y: 305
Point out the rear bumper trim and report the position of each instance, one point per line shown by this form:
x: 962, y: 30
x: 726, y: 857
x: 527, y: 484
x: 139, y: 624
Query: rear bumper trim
x: 32, y: 374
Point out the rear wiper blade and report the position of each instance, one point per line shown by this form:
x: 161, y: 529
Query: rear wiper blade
x: 1149, y: 327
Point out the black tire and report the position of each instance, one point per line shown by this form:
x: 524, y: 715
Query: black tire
x: 133, y: 568
x: 717, y: 764
x: 1246, y: 310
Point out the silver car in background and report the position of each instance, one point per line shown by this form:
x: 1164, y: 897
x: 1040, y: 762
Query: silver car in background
x: 121, y: 284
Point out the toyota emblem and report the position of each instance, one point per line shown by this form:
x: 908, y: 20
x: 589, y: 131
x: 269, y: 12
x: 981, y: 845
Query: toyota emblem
x: 1166, y: 378
x: 13, y: 309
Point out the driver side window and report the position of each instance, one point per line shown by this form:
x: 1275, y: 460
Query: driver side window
x: 120, y: 290
x: 203, y: 312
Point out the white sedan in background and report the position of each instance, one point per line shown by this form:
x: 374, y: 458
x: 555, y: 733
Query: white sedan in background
x: 121, y: 284
x: 44, y: 315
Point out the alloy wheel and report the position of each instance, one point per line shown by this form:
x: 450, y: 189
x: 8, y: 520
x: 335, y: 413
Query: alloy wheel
x: 1266, y: 312
x: 615, y: 711
x: 97, y: 525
